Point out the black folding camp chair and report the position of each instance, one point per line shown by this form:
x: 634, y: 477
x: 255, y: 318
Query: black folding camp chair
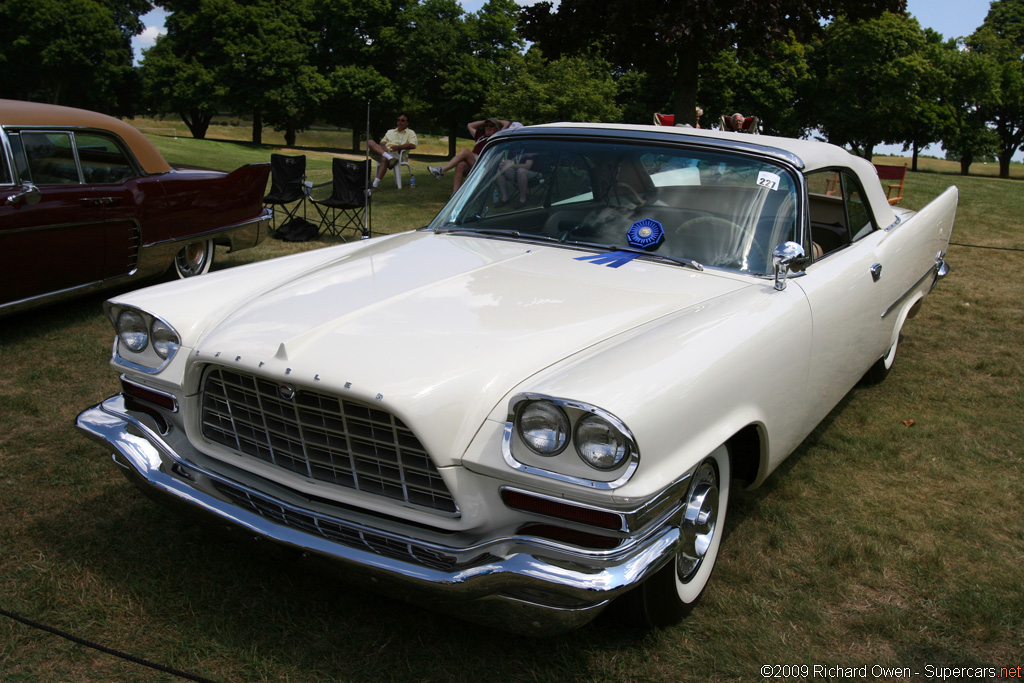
x: 287, y: 186
x: 349, y: 202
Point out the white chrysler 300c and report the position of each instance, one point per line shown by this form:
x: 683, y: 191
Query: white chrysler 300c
x: 541, y: 401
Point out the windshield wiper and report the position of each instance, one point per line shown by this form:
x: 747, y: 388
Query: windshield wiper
x: 664, y: 258
x: 497, y: 232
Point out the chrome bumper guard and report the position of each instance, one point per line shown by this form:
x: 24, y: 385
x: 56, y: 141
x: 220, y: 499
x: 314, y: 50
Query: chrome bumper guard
x: 531, y: 590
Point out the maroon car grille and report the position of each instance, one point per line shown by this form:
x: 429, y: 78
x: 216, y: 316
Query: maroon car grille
x: 322, y: 437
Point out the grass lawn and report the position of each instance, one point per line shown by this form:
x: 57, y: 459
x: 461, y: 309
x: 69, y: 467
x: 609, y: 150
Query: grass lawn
x: 892, y: 537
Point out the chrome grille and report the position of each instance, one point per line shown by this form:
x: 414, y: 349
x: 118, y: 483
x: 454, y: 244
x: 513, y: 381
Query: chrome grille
x: 346, y: 534
x: 322, y: 437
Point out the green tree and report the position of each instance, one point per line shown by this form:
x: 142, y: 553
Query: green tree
x: 1001, y: 38
x: 969, y: 86
x: 877, y: 65
x: 751, y: 82
x: 674, y: 40
x: 455, y: 60
x: 73, y: 52
x: 923, y: 125
x: 567, y: 89
x: 179, y: 81
x: 358, y: 49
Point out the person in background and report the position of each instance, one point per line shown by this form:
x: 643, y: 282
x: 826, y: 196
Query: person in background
x: 480, y: 131
x: 735, y: 122
x: 394, y: 141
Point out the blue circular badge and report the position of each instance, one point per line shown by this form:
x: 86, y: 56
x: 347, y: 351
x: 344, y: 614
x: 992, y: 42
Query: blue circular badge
x: 646, y: 234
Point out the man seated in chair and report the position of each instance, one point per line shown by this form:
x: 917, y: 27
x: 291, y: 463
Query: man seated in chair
x: 391, y: 145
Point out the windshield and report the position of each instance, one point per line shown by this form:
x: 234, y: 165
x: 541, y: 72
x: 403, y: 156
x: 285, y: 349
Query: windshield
x: 706, y: 206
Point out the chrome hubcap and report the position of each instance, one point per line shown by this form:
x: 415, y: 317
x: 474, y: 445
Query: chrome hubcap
x: 700, y: 519
x: 192, y: 257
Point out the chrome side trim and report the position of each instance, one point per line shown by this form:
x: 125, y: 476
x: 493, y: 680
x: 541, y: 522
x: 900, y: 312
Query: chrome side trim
x: 265, y: 215
x: 932, y: 272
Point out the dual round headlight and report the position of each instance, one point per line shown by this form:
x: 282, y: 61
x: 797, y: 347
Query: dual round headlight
x: 138, y: 331
x: 545, y: 429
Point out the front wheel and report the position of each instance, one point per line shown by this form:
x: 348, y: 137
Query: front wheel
x: 669, y: 595
x: 195, y: 258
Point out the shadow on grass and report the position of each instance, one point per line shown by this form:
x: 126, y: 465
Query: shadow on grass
x: 193, y: 583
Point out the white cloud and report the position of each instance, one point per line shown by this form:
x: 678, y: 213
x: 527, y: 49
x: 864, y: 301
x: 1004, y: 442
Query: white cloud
x: 148, y: 37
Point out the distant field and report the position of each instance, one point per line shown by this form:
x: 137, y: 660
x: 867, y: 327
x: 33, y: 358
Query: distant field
x: 318, y: 137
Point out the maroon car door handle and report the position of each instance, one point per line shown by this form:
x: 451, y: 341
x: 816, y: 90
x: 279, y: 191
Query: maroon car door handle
x: 101, y: 201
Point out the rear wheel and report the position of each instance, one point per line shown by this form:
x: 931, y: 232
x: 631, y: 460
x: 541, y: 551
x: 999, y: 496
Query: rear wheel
x: 669, y: 595
x: 195, y: 258
x: 880, y: 370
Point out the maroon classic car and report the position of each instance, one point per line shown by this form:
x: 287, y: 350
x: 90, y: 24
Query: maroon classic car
x: 87, y: 202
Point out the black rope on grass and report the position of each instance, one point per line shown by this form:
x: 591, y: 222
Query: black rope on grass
x: 982, y: 246
x: 104, y: 649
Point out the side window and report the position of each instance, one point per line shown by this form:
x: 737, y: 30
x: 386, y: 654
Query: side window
x: 5, y: 169
x: 838, y: 213
x: 51, y: 161
x: 856, y: 209
x: 102, y: 159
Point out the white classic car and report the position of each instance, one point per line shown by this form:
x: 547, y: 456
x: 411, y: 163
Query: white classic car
x: 541, y: 401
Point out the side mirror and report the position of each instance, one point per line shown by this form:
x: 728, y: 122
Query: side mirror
x: 27, y: 193
x: 787, y: 257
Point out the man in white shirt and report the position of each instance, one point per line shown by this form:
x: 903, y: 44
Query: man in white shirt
x: 393, y: 142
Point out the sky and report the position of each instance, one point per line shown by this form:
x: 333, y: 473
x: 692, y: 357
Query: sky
x: 951, y: 18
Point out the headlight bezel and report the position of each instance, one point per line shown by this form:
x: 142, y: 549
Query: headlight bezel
x: 568, y: 465
x: 160, y: 346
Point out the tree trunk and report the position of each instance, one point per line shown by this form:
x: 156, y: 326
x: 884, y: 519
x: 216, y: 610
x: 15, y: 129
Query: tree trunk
x: 965, y: 164
x: 198, y: 124
x: 257, y: 127
x: 1005, y: 156
x: 452, y: 138
x: 355, y: 138
x: 289, y: 136
x: 684, y: 99
x: 913, y: 164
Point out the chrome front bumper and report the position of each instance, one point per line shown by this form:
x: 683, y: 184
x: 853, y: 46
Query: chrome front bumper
x: 530, y: 590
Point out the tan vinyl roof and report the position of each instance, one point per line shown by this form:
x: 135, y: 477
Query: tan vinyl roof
x: 16, y: 114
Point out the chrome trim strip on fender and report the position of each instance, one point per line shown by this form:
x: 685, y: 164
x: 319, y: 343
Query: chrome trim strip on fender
x: 932, y: 272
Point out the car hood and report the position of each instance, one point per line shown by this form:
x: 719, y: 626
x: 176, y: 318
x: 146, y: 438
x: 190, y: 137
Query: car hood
x: 438, y: 328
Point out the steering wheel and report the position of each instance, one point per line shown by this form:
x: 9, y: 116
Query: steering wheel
x: 718, y: 240
x: 636, y: 198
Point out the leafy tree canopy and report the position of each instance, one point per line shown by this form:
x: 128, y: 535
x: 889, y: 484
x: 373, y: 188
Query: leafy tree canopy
x: 567, y: 89
x: 675, y: 39
x: 72, y: 52
x: 881, y: 62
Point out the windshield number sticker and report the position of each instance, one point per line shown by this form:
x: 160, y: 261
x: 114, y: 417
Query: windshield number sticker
x: 769, y: 180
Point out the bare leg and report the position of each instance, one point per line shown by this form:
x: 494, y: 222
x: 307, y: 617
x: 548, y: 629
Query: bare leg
x: 378, y: 152
x: 461, y: 171
x: 521, y: 180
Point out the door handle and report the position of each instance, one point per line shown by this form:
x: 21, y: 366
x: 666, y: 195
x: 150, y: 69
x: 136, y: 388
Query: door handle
x: 876, y: 272
x: 100, y: 201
